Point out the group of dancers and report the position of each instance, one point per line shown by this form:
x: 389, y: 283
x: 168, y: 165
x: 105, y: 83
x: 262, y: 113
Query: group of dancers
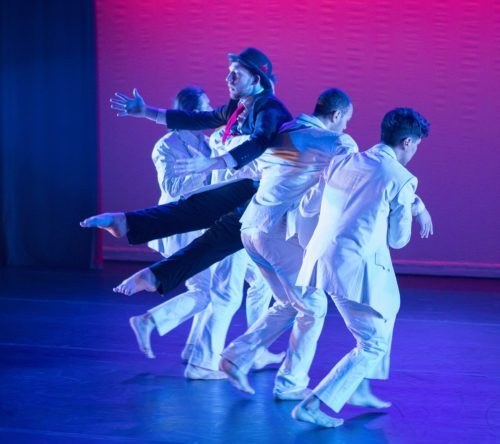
x: 291, y: 206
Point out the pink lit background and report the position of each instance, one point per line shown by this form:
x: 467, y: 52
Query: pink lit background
x: 442, y: 58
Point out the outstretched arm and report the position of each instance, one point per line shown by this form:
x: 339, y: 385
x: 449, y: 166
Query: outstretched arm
x: 269, y: 118
x: 136, y: 107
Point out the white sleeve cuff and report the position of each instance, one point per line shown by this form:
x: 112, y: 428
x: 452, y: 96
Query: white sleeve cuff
x: 161, y: 117
x: 229, y: 160
x: 417, y: 206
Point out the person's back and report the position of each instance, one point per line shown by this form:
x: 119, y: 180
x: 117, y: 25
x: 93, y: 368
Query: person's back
x: 288, y: 169
x: 294, y: 163
x: 365, y: 208
x: 360, y: 189
x: 353, y: 230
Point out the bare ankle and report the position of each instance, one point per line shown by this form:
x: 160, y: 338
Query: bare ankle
x: 148, y: 319
x: 312, y: 402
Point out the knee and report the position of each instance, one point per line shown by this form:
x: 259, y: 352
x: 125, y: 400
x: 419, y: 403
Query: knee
x: 258, y: 289
x: 313, y: 308
x: 374, y: 348
x: 205, y: 299
x: 257, y: 298
x: 309, y: 321
x: 226, y: 301
x: 284, y: 308
x: 320, y: 307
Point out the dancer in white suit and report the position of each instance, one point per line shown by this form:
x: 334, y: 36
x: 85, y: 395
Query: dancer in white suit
x: 365, y: 209
x: 175, y: 145
x: 215, y: 294
x: 288, y: 170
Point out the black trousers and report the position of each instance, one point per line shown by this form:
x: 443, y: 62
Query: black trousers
x: 219, y: 210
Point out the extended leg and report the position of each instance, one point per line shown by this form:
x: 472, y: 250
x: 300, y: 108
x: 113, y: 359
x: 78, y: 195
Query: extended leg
x: 198, y: 211
x: 221, y: 240
x: 168, y: 315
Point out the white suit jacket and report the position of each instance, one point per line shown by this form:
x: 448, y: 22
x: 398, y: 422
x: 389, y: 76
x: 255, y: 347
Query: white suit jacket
x: 365, y: 208
x: 177, y: 145
x: 303, y: 149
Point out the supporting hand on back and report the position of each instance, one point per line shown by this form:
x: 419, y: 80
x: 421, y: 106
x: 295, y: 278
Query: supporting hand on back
x: 198, y: 164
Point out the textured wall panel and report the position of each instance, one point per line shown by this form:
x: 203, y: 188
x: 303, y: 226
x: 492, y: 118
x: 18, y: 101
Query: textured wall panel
x: 442, y: 58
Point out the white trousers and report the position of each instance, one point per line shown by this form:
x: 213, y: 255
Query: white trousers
x: 214, y: 296
x: 279, y: 261
x: 368, y: 359
x: 184, y: 306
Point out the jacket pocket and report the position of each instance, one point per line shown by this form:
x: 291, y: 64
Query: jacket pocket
x: 383, y: 260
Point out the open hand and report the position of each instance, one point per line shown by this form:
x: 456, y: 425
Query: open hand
x: 425, y: 221
x: 200, y: 164
x: 129, y: 106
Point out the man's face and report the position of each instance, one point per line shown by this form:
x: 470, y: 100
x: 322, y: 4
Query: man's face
x: 204, y: 103
x: 411, y: 146
x: 339, y: 120
x: 240, y: 81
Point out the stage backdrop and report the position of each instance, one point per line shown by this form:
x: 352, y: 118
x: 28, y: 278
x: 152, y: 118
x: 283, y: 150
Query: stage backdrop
x: 441, y: 58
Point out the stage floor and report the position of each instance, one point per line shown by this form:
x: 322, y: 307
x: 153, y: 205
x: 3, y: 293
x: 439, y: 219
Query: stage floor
x: 71, y: 371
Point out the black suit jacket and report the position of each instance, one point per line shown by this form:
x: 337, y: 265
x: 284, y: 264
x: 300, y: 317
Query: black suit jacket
x: 265, y: 117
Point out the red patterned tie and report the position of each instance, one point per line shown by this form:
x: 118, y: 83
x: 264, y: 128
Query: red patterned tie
x: 231, y: 121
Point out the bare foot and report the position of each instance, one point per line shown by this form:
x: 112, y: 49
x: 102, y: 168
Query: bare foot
x: 308, y: 411
x: 142, y: 327
x: 195, y: 372
x: 363, y: 397
x: 291, y: 396
x: 142, y: 280
x: 265, y: 357
x: 236, y: 376
x: 113, y: 223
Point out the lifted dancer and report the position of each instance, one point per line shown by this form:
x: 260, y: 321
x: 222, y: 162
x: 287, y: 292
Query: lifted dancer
x: 253, y: 110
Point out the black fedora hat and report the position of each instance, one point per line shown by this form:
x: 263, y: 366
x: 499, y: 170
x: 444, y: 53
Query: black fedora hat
x: 257, y: 63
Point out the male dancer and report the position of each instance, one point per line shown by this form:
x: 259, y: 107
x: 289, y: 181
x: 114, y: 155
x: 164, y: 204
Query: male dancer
x: 252, y: 110
x: 214, y: 294
x: 174, y: 145
x: 365, y: 209
x: 288, y: 170
x: 306, y: 142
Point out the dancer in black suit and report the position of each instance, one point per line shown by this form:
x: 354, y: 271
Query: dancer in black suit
x: 253, y: 110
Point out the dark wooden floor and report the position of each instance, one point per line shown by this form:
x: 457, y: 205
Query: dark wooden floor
x: 71, y: 372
